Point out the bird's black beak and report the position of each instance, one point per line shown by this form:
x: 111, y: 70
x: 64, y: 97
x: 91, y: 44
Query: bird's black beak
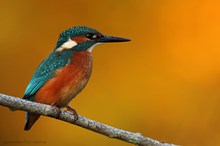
x: 111, y: 39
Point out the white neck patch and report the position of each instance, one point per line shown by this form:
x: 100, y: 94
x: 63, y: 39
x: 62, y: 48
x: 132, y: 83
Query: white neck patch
x: 91, y: 48
x: 67, y: 45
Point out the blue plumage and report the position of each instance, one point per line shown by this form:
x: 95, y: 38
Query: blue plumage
x: 57, y: 60
x: 46, y: 71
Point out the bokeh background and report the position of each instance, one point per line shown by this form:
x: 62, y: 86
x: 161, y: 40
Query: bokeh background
x: 165, y: 83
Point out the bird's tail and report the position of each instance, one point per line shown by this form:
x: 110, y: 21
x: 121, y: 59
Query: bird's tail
x: 31, y: 118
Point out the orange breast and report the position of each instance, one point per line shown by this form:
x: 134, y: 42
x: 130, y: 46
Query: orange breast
x: 68, y: 81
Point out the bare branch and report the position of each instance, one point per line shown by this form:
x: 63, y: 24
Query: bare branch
x: 47, y: 110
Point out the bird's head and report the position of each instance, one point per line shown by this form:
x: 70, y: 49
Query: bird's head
x: 81, y: 38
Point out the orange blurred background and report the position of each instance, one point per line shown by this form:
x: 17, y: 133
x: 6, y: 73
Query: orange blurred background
x: 165, y: 83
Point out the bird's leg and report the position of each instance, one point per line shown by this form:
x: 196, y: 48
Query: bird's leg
x: 73, y: 111
x: 58, y: 111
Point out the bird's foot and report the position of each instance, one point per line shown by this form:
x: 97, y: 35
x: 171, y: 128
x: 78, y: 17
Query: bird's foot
x: 73, y: 112
x: 58, y: 111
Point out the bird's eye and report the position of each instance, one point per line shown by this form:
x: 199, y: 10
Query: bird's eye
x: 93, y: 36
x: 89, y: 35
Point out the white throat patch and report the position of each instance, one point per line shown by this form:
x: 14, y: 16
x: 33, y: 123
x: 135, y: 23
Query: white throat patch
x: 67, y: 45
x: 91, y: 48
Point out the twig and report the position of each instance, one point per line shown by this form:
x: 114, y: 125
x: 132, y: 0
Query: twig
x: 47, y: 110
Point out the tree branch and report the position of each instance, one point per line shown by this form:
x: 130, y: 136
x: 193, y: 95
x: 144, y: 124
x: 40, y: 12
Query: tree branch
x: 47, y: 110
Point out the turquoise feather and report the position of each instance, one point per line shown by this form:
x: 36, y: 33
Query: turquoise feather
x: 46, y: 70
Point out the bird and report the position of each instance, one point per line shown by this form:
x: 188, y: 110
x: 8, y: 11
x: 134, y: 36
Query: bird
x: 65, y: 71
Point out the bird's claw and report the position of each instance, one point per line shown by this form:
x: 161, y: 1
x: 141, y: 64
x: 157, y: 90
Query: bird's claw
x: 58, y: 111
x: 73, y: 112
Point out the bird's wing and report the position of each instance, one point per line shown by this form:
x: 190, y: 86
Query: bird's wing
x: 46, y: 71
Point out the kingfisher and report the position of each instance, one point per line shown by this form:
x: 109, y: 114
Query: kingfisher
x: 66, y: 70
